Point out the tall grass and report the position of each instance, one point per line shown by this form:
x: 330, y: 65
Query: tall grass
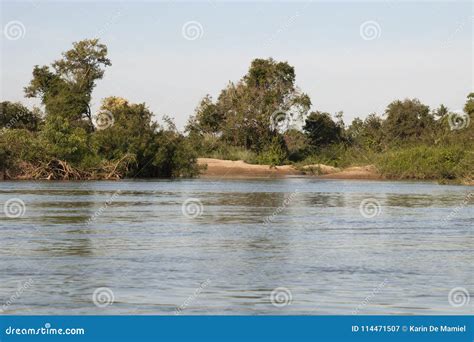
x: 427, y: 162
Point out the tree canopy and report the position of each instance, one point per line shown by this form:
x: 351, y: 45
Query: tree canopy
x: 261, y: 118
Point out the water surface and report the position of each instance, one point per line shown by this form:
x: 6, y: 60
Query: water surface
x: 305, y: 237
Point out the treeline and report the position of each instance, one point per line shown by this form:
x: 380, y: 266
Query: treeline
x: 263, y: 118
x: 68, y: 142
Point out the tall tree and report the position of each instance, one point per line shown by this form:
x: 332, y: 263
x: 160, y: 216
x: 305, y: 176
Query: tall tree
x: 245, y: 113
x: 321, y: 129
x: 407, y: 119
x: 66, y: 90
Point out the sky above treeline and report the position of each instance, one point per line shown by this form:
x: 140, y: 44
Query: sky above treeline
x: 350, y: 56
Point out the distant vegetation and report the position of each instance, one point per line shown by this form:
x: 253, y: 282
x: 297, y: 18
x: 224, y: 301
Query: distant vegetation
x: 263, y: 118
x: 64, y: 143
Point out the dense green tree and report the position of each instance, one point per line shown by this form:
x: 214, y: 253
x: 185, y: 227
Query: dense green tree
x: 158, y: 152
x: 208, y: 119
x: 245, y: 114
x: 469, y: 106
x: 321, y: 129
x: 407, y: 120
x: 66, y: 90
x: 367, y: 133
x: 297, y: 144
x: 15, y: 115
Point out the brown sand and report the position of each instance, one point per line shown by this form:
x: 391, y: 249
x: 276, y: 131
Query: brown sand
x: 240, y: 169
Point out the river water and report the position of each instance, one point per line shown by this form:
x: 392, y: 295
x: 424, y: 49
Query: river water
x: 281, y: 246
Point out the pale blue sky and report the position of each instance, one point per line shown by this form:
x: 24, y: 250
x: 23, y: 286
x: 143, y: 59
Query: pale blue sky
x: 422, y: 49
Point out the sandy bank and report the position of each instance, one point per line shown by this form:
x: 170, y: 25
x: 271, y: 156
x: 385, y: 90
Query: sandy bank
x: 240, y: 169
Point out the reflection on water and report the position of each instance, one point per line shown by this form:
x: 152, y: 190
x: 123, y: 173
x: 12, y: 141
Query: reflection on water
x: 253, y: 236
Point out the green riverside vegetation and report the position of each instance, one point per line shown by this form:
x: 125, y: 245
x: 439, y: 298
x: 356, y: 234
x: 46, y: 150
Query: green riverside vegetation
x: 264, y: 118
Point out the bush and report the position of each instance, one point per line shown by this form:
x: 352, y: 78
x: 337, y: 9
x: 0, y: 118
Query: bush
x: 276, y: 153
x: 427, y: 162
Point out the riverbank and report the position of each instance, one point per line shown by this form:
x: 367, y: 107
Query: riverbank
x: 239, y: 169
x: 212, y: 168
x: 221, y: 168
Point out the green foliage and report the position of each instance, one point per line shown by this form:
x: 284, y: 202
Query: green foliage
x: 407, y: 120
x: 469, y: 106
x: 322, y: 130
x: 66, y: 90
x: 427, y: 162
x: 17, y: 116
x: 20, y: 145
x: 297, y: 144
x: 409, y: 141
x: 244, y: 113
x: 275, y: 153
x: 158, y: 152
x: 367, y: 134
x: 64, y: 141
x: 68, y: 142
